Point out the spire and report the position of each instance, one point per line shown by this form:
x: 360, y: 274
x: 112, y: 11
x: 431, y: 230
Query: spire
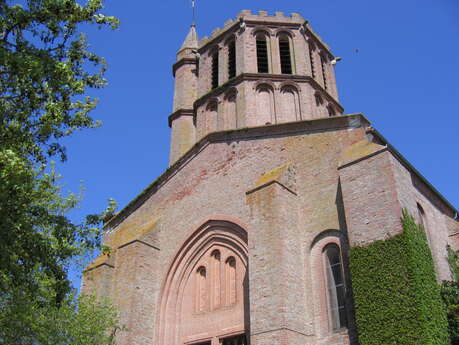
x: 191, y: 40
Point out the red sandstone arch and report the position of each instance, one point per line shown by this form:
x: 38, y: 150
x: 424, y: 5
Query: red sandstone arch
x: 178, y: 323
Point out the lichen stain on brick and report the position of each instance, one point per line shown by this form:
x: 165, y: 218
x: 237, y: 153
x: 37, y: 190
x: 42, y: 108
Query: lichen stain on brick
x: 272, y: 175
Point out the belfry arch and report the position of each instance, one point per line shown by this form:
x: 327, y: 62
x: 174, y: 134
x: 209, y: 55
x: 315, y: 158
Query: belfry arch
x: 205, y: 295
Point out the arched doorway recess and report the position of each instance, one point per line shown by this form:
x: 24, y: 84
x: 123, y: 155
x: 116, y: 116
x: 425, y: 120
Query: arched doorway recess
x: 205, y: 296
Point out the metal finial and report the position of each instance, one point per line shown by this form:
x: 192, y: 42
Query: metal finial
x: 193, y: 5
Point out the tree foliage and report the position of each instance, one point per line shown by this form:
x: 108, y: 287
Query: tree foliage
x: 44, y: 74
x: 46, y: 70
x: 82, y: 321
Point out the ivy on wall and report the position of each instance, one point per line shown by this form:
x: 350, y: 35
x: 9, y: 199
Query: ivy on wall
x: 450, y: 296
x: 396, y: 295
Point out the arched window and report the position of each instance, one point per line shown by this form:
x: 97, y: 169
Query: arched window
x: 215, y: 69
x: 216, y: 279
x: 230, y: 116
x: 201, y: 289
x: 285, y: 54
x: 423, y: 221
x: 230, y: 280
x: 422, y: 215
x: 336, y: 289
x: 262, y: 53
x: 265, y: 105
x: 231, y: 59
x: 289, y: 105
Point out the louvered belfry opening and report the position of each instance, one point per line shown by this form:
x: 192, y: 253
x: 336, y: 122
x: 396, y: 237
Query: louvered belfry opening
x: 311, y: 58
x: 232, y: 59
x: 215, y: 70
x: 262, y: 55
x: 324, y: 72
x: 285, y: 59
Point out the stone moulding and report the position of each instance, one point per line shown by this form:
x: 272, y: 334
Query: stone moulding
x: 212, y: 232
x: 270, y: 78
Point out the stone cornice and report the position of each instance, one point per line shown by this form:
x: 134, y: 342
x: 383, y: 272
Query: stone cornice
x: 178, y: 113
x: 181, y: 62
x: 291, y: 128
x: 267, y: 77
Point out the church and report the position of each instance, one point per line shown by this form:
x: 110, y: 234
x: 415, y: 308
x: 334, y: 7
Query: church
x: 245, y: 238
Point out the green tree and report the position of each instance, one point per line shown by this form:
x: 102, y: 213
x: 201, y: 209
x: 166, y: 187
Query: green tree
x: 82, y: 321
x: 46, y: 69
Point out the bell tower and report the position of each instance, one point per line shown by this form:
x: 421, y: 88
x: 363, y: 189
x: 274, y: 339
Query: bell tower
x: 258, y: 70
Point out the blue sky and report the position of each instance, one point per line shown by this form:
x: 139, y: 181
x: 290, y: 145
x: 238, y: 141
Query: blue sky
x: 404, y: 78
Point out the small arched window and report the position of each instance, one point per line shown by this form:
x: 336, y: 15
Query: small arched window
x: 215, y: 69
x: 285, y: 54
x: 262, y: 53
x: 336, y: 289
x: 231, y: 59
x: 424, y: 222
x: 201, y: 289
x: 230, y: 280
x: 421, y: 214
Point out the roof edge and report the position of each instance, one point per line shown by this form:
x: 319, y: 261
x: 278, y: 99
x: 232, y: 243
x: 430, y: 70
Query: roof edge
x: 335, y: 123
x: 411, y: 168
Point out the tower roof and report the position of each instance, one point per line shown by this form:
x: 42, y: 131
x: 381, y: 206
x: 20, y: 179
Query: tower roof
x: 191, y: 40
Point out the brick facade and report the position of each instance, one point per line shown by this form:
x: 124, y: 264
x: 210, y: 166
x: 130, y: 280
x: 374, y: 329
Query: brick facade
x: 230, y: 239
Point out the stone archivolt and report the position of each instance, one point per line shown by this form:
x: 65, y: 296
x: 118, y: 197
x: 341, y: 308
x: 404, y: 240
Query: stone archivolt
x: 206, y: 286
